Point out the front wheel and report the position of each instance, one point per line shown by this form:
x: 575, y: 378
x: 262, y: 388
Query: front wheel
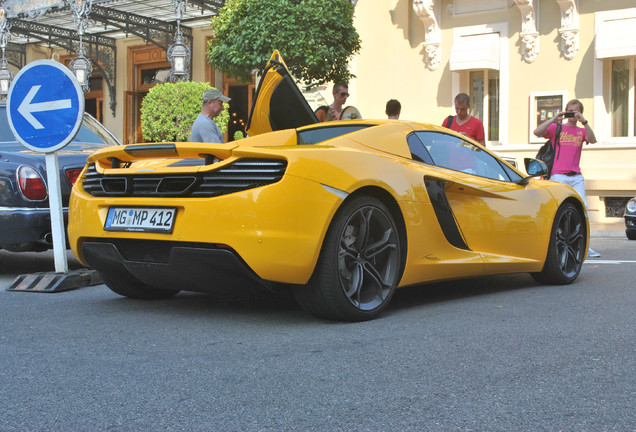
x: 135, y: 289
x: 360, y: 264
x: 566, y: 250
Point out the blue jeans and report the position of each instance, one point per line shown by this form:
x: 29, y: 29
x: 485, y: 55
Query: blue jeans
x: 576, y: 181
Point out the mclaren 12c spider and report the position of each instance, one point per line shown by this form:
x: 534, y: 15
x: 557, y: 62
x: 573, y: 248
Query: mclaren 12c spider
x: 344, y: 212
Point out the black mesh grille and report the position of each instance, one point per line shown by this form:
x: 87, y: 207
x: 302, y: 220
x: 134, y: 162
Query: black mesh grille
x: 239, y: 176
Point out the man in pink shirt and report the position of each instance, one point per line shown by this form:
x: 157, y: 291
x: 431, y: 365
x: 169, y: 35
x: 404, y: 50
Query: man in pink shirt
x: 463, y: 122
x: 566, y: 167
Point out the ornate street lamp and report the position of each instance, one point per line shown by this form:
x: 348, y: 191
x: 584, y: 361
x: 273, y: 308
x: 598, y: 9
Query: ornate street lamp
x: 6, y: 76
x: 179, y: 56
x: 179, y: 53
x: 81, y: 65
x: 82, y: 69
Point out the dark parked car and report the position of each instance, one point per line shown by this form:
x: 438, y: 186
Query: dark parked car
x: 630, y: 219
x: 25, y: 222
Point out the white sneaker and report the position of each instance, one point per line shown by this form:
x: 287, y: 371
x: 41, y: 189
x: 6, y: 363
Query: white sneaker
x: 591, y: 253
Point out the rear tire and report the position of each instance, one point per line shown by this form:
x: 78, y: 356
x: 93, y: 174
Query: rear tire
x: 360, y: 264
x: 135, y: 289
x: 631, y: 235
x: 566, y: 251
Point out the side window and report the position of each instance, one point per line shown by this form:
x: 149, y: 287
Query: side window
x: 513, y: 176
x: 418, y: 151
x: 451, y: 152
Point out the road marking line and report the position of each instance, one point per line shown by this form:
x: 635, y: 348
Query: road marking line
x: 595, y: 261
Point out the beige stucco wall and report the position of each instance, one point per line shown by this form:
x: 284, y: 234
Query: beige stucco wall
x: 199, y: 57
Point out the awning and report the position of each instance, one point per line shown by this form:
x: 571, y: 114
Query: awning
x: 475, y: 52
x: 616, y: 38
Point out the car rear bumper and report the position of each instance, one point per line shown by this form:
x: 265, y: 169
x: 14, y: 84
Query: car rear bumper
x: 24, y: 228
x: 172, y: 266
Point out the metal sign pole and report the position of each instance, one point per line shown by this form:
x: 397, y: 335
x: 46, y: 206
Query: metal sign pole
x: 57, y: 214
x: 45, y: 108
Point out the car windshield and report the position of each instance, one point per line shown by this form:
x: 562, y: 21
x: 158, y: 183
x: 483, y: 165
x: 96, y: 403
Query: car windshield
x: 91, y: 131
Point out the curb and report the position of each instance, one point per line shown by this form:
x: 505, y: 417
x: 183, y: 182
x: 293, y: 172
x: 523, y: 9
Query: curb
x: 608, y: 233
x: 608, y: 229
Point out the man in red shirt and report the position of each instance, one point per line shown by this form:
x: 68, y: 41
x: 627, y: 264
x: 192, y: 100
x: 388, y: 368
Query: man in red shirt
x: 463, y: 122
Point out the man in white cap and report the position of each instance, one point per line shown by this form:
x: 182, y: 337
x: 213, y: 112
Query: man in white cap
x: 204, y: 128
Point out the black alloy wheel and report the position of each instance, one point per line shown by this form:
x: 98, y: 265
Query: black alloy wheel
x: 566, y: 251
x: 360, y: 264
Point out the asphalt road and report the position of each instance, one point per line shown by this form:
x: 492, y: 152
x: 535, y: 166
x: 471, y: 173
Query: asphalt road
x: 487, y: 354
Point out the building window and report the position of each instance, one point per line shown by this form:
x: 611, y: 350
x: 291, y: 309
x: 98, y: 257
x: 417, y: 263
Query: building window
x: 614, y: 70
x: 480, y: 66
x: 147, y: 67
x: 623, y: 99
x: 484, y: 95
x: 94, y: 98
x: 149, y: 76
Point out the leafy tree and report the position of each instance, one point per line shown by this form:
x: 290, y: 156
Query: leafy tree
x: 315, y: 37
x: 169, y: 110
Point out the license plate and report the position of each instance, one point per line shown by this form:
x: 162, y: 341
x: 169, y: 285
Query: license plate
x: 140, y: 219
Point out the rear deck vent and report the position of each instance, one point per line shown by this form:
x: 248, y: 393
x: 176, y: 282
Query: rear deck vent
x: 241, y: 175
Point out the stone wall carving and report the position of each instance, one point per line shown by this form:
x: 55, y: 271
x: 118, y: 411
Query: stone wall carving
x: 569, y: 30
x: 429, y: 11
x: 529, y: 34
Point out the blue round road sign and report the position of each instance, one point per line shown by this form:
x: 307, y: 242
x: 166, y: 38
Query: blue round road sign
x: 45, y: 106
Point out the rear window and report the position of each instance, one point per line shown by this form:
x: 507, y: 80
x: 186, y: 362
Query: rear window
x: 318, y: 135
x: 5, y: 130
x: 85, y: 135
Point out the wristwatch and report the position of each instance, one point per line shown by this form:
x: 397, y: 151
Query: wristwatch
x: 584, y: 122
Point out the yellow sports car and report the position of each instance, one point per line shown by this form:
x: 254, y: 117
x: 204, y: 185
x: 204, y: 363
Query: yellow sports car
x: 345, y: 212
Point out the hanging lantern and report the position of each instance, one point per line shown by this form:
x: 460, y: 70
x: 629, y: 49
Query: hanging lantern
x: 6, y: 76
x: 80, y: 65
x: 82, y: 69
x: 178, y: 55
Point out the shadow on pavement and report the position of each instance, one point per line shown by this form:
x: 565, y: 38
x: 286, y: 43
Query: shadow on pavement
x: 17, y: 263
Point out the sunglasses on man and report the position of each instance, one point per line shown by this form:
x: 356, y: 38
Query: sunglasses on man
x: 344, y: 94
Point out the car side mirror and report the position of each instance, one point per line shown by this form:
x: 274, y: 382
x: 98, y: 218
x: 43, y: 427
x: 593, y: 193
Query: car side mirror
x: 534, y: 168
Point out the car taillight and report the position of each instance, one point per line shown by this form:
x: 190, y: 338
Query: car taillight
x: 31, y: 183
x: 72, y: 174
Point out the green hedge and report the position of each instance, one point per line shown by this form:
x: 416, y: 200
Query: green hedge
x: 169, y: 110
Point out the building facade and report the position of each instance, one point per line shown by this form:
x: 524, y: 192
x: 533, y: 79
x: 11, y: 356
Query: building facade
x: 519, y: 60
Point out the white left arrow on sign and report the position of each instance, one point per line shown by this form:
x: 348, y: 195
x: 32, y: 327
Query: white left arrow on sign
x: 26, y: 108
